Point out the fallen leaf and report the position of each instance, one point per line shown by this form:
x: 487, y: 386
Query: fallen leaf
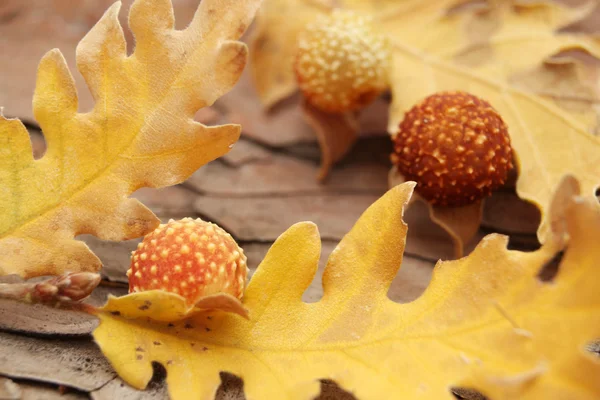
x: 336, y: 134
x: 488, y: 49
x: 274, y: 45
x: 29, y: 29
x: 540, y: 131
x: 571, y: 79
x: 504, y: 212
x: 96, y: 159
x: 460, y: 223
x: 166, y: 306
x: 485, y: 322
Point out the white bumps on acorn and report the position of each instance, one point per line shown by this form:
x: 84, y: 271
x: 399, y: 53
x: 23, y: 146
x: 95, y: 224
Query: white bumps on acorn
x: 191, y: 258
x: 342, y: 63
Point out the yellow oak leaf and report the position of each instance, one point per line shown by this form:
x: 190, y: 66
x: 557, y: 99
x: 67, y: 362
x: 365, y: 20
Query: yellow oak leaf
x: 166, y: 306
x: 140, y: 133
x: 478, y: 47
x: 485, y: 322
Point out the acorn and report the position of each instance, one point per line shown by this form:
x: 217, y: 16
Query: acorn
x: 341, y: 64
x: 191, y: 258
x: 455, y: 146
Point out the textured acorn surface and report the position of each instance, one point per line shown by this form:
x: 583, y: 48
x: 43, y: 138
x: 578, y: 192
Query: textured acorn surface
x: 455, y: 146
x: 341, y: 64
x: 192, y: 258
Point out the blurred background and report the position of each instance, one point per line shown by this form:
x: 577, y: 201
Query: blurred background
x: 264, y: 185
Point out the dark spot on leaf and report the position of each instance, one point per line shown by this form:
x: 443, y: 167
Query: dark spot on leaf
x: 139, y: 357
x: 207, y: 329
x: 170, y: 325
x: 467, y: 394
x: 139, y: 349
x: 209, y: 318
x: 188, y: 325
x: 145, y: 306
x: 169, y: 362
x: 116, y: 313
x: 204, y: 348
x: 157, y: 343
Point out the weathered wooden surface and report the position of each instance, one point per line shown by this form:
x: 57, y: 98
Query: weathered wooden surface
x: 265, y: 184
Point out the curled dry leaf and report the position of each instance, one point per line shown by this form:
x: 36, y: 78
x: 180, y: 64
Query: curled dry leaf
x: 336, y: 134
x: 95, y: 160
x: 169, y: 307
x: 460, y: 223
x: 485, y: 322
x: 484, y: 49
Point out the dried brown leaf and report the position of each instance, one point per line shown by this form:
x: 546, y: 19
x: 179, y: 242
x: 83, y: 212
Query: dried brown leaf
x: 461, y: 223
x: 336, y: 134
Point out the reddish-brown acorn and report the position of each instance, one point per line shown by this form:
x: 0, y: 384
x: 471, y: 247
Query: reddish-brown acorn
x: 192, y: 258
x: 455, y: 146
x: 342, y: 63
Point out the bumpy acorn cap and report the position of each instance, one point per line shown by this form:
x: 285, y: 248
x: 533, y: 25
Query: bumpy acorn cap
x: 455, y: 146
x: 192, y: 258
x: 341, y: 64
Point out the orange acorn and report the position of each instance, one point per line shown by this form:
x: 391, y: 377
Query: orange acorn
x: 341, y: 64
x: 455, y: 146
x: 191, y: 258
